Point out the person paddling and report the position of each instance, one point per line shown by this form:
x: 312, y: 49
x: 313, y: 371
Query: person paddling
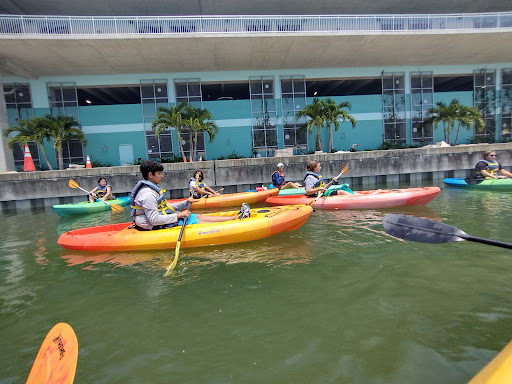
x: 103, y: 191
x: 489, y: 168
x: 150, y: 209
x: 314, y: 182
x: 278, y: 180
x: 197, y: 188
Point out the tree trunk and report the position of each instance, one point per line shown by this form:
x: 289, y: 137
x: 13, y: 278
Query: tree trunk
x: 318, y: 139
x: 182, y: 152
x: 457, y: 135
x: 60, y: 160
x: 330, y: 138
x: 45, y: 157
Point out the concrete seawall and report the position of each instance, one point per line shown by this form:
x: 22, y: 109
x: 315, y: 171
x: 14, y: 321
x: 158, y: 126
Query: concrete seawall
x: 416, y: 167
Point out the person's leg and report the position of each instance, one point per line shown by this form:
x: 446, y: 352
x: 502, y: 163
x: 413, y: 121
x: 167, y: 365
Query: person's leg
x: 244, y: 212
x: 342, y: 192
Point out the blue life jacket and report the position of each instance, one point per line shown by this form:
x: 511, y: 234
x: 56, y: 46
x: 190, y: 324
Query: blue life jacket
x: 492, y: 167
x: 163, y: 207
x: 101, y: 191
x: 319, y: 179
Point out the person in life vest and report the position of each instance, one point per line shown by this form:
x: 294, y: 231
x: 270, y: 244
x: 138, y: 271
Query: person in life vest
x: 278, y: 179
x: 103, y: 191
x: 314, y: 182
x: 489, y: 168
x: 150, y: 209
x: 197, y: 188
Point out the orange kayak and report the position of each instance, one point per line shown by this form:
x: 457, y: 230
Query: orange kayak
x: 377, y: 199
x: 230, y: 199
x: 263, y: 222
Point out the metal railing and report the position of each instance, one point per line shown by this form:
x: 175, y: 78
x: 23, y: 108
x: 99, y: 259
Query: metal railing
x: 171, y: 25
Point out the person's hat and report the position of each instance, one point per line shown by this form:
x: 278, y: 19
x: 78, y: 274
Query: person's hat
x: 280, y: 165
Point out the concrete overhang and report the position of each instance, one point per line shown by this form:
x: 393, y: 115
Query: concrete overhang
x: 35, y: 56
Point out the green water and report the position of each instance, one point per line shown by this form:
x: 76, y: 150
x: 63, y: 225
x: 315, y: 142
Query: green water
x: 337, y: 301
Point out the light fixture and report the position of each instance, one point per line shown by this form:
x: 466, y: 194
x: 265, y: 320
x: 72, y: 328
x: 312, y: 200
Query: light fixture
x: 287, y: 137
x: 183, y: 142
x: 315, y: 93
x: 88, y: 101
x: 159, y: 89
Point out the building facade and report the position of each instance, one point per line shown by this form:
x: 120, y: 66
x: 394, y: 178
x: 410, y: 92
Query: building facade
x: 253, y: 73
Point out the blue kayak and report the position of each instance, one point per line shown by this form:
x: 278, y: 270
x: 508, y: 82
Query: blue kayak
x: 503, y: 185
x: 85, y: 207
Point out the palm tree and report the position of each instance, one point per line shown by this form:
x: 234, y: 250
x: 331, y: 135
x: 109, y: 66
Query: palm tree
x: 197, y: 120
x: 442, y: 114
x: 30, y: 130
x: 166, y: 118
x: 336, y: 112
x: 62, y: 129
x: 467, y: 117
x: 316, y: 114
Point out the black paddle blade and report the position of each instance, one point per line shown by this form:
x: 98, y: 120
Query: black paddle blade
x: 421, y: 230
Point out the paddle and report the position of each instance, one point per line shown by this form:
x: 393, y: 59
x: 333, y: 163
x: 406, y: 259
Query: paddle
x: 114, y: 207
x: 170, y: 268
x: 430, y: 231
x: 215, y: 192
x: 56, y: 360
x: 343, y: 171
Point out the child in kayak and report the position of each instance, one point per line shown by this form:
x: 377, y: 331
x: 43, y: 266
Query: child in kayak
x: 150, y: 209
x: 197, y: 188
x: 278, y: 179
x: 314, y: 182
x: 102, y: 191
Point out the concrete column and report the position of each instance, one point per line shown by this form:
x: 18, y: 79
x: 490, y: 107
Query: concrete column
x: 6, y: 156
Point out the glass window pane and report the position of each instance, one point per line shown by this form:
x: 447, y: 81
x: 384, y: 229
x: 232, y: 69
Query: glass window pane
x: 147, y: 91
x: 181, y: 90
x: 69, y: 94
x: 161, y: 90
x: 256, y: 87
x: 286, y: 86
x: 299, y: 85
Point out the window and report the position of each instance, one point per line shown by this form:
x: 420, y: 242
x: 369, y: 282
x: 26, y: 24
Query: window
x: 104, y: 95
x: 422, y: 99
x: 393, y: 107
x: 506, y: 103
x: 484, y: 98
x: 63, y: 100
x: 153, y: 94
x: 18, y: 102
x: 263, y: 114
x: 343, y: 87
x: 225, y: 91
x: 189, y: 91
x: 293, y: 99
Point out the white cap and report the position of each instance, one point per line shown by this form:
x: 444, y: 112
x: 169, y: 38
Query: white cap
x: 280, y: 165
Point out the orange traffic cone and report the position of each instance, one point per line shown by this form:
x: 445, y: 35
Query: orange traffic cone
x: 191, y: 159
x: 88, y: 163
x: 28, y: 163
x: 200, y: 158
x: 184, y: 159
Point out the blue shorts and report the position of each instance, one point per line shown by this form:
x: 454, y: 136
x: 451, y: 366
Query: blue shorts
x: 192, y: 219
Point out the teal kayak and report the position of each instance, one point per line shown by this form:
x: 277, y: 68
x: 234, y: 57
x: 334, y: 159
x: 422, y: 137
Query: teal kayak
x: 503, y: 185
x: 302, y: 191
x: 85, y: 207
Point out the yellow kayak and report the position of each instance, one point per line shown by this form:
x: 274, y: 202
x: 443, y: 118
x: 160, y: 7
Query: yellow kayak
x: 263, y: 222
x: 498, y: 371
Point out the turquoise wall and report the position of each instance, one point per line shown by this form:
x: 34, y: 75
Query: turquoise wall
x: 111, y: 114
x: 105, y: 148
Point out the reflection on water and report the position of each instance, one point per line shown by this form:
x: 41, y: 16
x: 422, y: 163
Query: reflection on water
x: 285, y: 250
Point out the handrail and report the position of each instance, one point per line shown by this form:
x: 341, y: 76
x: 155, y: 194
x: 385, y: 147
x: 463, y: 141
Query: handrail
x: 289, y: 24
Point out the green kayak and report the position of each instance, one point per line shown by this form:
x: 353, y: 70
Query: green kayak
x: 85, y: 207
x: 302, y: 191
x: 504, y: 185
